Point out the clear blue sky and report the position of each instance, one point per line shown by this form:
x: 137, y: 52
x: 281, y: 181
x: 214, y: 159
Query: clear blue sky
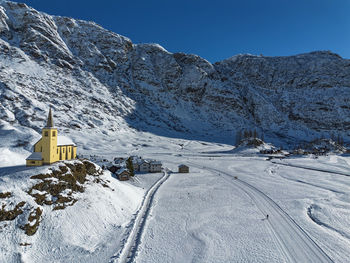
x: 219, y: 29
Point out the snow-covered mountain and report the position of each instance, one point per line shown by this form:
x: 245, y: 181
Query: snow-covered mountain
x: 115, y: 98
x: 96, y: 79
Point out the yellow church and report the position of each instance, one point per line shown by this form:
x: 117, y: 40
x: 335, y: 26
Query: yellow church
x: 51, y: 147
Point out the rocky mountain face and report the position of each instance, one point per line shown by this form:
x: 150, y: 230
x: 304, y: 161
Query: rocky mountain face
x: 94, y: 78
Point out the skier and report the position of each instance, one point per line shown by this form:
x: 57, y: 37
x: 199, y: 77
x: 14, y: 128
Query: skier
x: 267, y: 216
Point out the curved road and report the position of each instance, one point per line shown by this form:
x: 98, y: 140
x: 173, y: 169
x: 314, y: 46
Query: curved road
x: 293, y: 242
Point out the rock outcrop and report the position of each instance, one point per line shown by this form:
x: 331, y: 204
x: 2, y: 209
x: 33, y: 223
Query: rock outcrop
x: 101, y: 79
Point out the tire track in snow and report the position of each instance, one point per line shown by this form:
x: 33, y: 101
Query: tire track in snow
x: 128, y: 252
x: 294, y: 243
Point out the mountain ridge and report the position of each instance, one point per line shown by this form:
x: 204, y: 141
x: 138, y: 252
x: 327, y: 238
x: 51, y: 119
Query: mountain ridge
x: 101, y: 80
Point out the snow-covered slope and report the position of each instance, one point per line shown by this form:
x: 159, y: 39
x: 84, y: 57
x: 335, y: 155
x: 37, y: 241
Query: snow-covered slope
x: 115, y: 98
x: 98, y: 80
x: 69, y: 221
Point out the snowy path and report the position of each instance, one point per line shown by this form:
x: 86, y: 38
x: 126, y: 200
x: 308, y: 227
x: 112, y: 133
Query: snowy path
x: 293, y: 242
x: 129, y: 250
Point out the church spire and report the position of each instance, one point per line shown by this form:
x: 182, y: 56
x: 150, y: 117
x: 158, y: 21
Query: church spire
x: 49, y: 123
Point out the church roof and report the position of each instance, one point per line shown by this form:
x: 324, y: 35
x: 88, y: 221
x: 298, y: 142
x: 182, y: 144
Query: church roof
x: 49, y: 123
x: 63, y: 140
x: 35, y: 156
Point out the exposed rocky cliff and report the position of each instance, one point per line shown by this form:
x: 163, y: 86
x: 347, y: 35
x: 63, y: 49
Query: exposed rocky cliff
x: 100, y: 79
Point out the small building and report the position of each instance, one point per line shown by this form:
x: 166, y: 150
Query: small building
x: 114, y: 168
x: 155, y: 166
x: 184, y: 168
x: 119, y: 160
x: 123, y: 174
x: 136, y: 166
x: 51, y: 147
x: 35, y: 159
x: 136, y: 162
x: 144, y: 166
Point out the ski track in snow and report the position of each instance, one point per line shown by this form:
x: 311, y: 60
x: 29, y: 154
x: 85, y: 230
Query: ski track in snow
x: 320, y: 223
x: 310, y: 168
x: 293, y: 242
x: 332, y: 190
x: 128, y: 252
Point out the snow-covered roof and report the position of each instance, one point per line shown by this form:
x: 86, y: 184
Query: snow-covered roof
x: 35, y: 156
x: 123, y: 169
x: 141, y: 161
x: 63, y: 140
x: 156, y: 163
x: 182, y: 165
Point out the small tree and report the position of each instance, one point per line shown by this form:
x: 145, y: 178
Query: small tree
x: 338, y: 139
x: 245, y: 134
x: 250, y: 134
x: 255, y: 134
x: 238, y: 137
x: 130, y: 166
x: 332, y: 137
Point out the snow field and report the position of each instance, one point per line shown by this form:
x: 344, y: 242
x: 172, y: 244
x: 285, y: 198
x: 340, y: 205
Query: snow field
x: 195, y: 217
x: 299, y: 192
x: 198, y: 218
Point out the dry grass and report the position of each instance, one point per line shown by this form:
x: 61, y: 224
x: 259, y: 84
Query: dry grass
x: 55, y: 189
x: 6, y: 215
x: 34, y: 216
x: 41, y: 199
x: 71, y: 178
x: 5, y: 195
x: 41, y: 176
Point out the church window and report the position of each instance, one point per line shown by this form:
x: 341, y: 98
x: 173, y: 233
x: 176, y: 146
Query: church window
x: 53, y: 133
x: 46, y: 134
x: 63, y: 149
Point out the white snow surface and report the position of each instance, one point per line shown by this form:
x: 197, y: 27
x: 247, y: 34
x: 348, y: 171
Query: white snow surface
x: 64, y: 140
x: 203, y: 216
x: 114, y: 104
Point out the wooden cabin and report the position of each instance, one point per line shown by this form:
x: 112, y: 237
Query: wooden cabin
x: 123, y: 175
x: 184, y: 168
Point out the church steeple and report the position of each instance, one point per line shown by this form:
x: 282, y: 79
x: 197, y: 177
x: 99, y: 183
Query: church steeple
x: 49, y: 123
x: 51, y: 147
